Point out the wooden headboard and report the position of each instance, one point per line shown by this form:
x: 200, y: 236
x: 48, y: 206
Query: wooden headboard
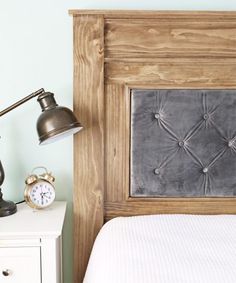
x: 114, y: 52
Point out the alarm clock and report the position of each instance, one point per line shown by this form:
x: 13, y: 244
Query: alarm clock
x: 39, y: 191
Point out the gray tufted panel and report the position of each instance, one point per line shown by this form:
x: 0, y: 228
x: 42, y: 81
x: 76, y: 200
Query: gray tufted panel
x: 183, y: 143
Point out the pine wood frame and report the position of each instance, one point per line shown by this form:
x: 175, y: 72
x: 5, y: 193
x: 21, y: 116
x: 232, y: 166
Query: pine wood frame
x: 115, y: 51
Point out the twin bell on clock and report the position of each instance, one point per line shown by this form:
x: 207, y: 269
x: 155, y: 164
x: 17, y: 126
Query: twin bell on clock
x: 39, y: 191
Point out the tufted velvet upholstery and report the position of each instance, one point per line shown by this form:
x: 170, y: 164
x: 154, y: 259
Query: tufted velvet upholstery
x: 183, y: 143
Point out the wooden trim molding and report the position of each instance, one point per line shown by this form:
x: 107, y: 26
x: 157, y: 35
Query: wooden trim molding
x: 161, y: 14
x: 115, y: 51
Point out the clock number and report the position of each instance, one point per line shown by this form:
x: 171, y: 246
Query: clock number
x: 42, y: 194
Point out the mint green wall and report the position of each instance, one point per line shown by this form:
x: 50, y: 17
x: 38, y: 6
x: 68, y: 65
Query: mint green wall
x: 35, y: 52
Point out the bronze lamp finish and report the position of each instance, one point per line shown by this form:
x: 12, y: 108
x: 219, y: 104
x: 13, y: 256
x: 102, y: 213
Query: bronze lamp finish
x: 6, y: 207
x: 54, y: 123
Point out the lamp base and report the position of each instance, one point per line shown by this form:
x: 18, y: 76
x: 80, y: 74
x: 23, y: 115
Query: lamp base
x: 7, y: 207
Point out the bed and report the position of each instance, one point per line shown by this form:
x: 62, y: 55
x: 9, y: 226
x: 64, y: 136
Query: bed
x: 155, y: 92
x: 166, y: 249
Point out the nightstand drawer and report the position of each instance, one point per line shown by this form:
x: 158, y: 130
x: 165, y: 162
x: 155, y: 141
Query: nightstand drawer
x: 20, y: 265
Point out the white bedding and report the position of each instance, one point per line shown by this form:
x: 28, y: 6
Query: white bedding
x: 165, y: 249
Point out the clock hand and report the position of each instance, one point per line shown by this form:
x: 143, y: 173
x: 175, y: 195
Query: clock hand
x: 47, y: 196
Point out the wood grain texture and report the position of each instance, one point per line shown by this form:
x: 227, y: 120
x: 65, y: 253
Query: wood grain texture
x: 150, y: 14
x: 117, y: 144
x: 144, y: 49
x: 194, y: 73
x: 89, y: 144
x: 170, y: 38
x: 170, y: 206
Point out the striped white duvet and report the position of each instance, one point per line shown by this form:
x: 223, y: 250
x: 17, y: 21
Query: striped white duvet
x: 165, y: 249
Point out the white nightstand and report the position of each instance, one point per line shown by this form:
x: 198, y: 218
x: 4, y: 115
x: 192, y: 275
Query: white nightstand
x: 30, y: 245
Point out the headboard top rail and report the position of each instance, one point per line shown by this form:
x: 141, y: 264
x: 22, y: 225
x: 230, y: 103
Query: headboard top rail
x: 161, y: 14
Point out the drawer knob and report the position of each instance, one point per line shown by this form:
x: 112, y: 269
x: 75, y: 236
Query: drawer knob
x: 6, y: 272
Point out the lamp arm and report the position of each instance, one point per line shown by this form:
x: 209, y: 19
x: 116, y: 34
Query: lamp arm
x: 23, y: 100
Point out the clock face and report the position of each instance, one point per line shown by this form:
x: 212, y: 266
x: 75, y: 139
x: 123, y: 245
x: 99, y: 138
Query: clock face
x: 42, y: 194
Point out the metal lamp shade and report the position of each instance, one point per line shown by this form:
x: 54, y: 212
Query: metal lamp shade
x: 55, y: 122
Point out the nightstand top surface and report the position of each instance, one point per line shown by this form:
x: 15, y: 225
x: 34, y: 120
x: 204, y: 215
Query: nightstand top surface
x: 30, y: 222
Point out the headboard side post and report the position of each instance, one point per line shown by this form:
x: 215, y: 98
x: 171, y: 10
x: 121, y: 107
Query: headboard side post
x: 89, y: 144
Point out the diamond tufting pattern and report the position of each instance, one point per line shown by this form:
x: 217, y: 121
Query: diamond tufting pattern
x: 183, y: 143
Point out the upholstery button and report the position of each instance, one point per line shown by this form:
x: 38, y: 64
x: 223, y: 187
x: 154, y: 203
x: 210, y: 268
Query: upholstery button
x: 157, y: 115
x: 205, y: 170
x: 156, y: 171
x: 181, y: 143
x: 230, y: 143
x: 206, y: 116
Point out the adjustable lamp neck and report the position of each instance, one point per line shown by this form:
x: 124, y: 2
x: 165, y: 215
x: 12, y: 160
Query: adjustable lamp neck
x: 47, y: 101
x: 18, y: 103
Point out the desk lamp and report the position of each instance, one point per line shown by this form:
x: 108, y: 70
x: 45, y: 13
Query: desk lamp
x: 54, y: 123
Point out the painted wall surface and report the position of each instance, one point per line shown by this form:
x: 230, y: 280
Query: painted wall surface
x: 35, y: 52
